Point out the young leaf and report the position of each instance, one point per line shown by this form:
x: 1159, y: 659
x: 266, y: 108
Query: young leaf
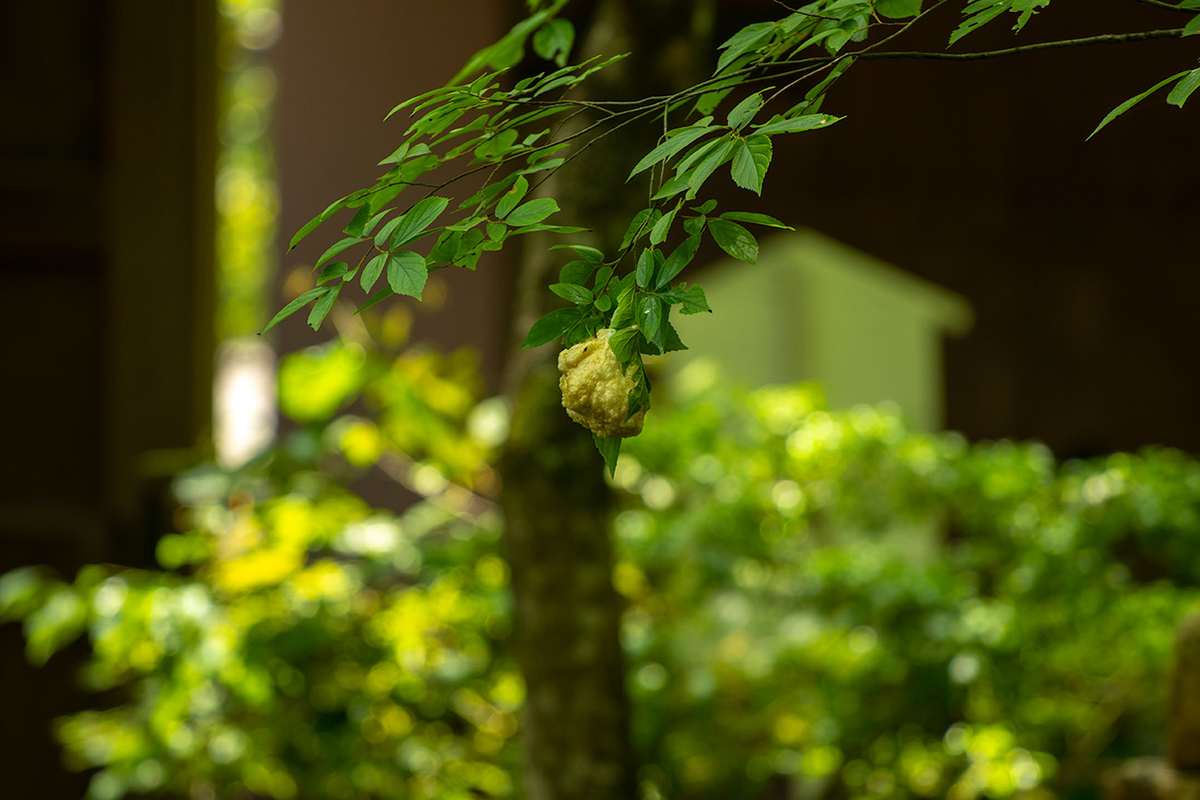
x: 406, y: 273
x: 372, y: 271
x: 335, y: 249
x: 669, y: 148
x: 898, y: 9
x: 778, y: 124
x: 1182, y: 90
x: 312, y: 224
x: 734, y: 239
x: 532, y: 212
x: 294, y: 306
x: 610, y: 451
x: 553, y: 41
x: 515, y: 195
x: 658, y: 234
x: 680, y: 257
x: 551, y: 326
x: 743, y: 112
x: 322, y: 307
x: 572, y: 292
x: 751, y: 158
x: 755, y: 219
x: 413, y: 223
x: 1133, y: 101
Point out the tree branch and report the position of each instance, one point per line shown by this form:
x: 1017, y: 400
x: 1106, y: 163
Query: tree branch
x: 1168, y: 6
x: 1108, y: 38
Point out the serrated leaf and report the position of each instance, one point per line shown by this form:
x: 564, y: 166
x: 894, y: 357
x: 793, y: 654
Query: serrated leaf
x: 372, y: 271
x: 990, y: 9
x: 576, y: 272
x: 1182, y: 90
x: 671, y: 341
x: 406, y: 273
x: 898, y: 9
x: 413, y: 223
x: 514, y: 195
x: 734, y: 240
x: 312, y: 224
x: 637, y: 228
x: 658, y: 234
x: 623, y: 317
x: 294, y: 306
x: 680, y: 257
x: 610, y: 451
x: 751, y: 158
x: 1133, y: 101
x: 669, y: 148
x: 322, y: 307
x: 749, y: 37
x: 333, y: 250
x: 741, y: 114
x: 707, y: 166
x: 756, y: 219
x: 778, y: 124
x: 551, y: 326
x: 644, y: 272
x: 649, y: 316
x: 572, y: 292
x: 622, y: 343
x: 532, y: 212
x: 692, y: 300
x: 554, y: 40
x: 358, y: 223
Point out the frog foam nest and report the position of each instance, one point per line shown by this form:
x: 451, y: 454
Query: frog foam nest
x: 595, y: 391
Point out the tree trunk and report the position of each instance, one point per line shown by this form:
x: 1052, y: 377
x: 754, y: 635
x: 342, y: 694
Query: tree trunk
x: 556, y: 503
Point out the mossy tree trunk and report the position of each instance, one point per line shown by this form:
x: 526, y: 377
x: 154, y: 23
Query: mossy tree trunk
x: 557, y: 505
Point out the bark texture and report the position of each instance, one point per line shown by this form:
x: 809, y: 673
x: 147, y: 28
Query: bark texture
x: 556, y: 503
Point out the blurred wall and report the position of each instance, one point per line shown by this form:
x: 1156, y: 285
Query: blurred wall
x: 105, y: 253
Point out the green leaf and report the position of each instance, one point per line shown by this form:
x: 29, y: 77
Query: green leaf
x: 622, y: 343
x: 589, y: 254
x: 644, y: 273
x: 707, y: 167
x: 321, y: 309
x: 1133, y: 101
x: 669, y: 148
x: 751, y: 158
x: 413, y: 223
x: 382, y: 294
x: 680, y: 257
x: 372, y: 271
x: 898, y: 9
x: 649, y: 317
x: 1193, y: 26
x: 636, y: 229
x: 987, y: 11
x: 554, y: 40
x: 576, y: 272
x: 623, y: 316
x: 496, y: 231
x: 691, y: 300
x: 551, y: 326
x: 515, y: 195
x: 671, y: 341
x: 673, y: 186
x: 498, y: 146
x: 406, y: 273
x: 358, y: 223
x: 658, y: 234
x: 756, y: 219
x: 331, y: 271
x: 344, y: 244
x: 743, y: 41
x: 778, y: 124
x: 743, y: 112
x: 294, y: 306
x: 312, y: 224
x: 1185, y: 87
x: 572, y: 292
x: 610, y: 451
x: 532, y: 212
x: 734, y: 239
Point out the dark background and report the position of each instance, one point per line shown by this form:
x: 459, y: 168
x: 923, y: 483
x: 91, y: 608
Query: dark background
x: 1079, y: 259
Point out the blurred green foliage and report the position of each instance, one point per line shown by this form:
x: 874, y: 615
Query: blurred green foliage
x: 818, y: 600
